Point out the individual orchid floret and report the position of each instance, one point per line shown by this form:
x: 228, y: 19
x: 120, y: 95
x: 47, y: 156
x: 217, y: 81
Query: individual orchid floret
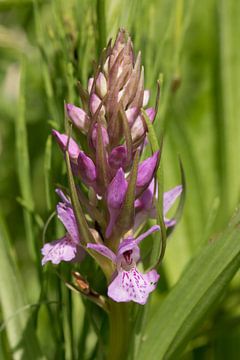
x: 145, y: 207
x: 86, y: 169
x: 118, y: 157
x: 146, y: 171
x: 139, y: 127
x: 78, y: 117
x: 105, y: 136
x: 101, y: 85
x: 96, y: 104
x: 129, y: 284
x: 131, y: 115
x: 68, y: 248
x: 71, y: 145
x: 115, y: 196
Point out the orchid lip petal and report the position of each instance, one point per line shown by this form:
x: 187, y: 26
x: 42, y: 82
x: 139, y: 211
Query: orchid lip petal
x: 132, y: 286
x: 59, y: 250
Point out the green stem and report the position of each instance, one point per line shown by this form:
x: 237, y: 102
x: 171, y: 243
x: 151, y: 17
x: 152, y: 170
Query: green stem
x: 119, y: 341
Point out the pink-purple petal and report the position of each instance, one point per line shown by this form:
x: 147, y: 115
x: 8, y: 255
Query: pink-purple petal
x: 66, y: 215
x: 132, y: 286
x: 118, y: 157
x: 170, y: 197
x: 62, y: 140
x: 78, y: 117
x: 86, y: 168
x: 147, y: 233
x: 146, y: 170
x: 103, y: 250
x: 59, y: 250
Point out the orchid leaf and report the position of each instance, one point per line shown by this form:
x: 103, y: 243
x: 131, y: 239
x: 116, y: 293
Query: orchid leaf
x: 195, y: 294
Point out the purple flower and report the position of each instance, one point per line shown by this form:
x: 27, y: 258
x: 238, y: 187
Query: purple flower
x: 145, y: 208
x: 86, y: 169
x: 115, y: 196
x: 78, y: 117
x: 62, y: 140
x: 67, y: 248
x: 146, y: 171
x: 129, y: 284
x: 139, y: 128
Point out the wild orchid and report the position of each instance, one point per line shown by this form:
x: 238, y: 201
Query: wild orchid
x: 113, y: 193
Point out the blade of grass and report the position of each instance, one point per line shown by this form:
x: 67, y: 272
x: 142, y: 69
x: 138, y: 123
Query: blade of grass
x: 21, y: 333
x: 23, y: 167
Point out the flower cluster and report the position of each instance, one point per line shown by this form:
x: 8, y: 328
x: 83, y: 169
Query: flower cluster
x: 120, y: 189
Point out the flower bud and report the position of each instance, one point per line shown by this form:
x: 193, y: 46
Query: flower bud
x: 101, y: 85
x: 139, y: 127
x: 87, y: 168
x: 78, y: 117
x: 146, y: 171
x: 115, y: 196
x: 95, y: 103
x: 118, y: 157
x: 104, y: 136
x: 62, y: 140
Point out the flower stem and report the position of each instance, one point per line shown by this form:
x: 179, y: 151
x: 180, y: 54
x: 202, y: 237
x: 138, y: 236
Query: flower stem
x: 119, y: 339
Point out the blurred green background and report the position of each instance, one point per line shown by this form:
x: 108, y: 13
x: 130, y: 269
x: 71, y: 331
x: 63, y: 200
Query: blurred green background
x: 45, y: 47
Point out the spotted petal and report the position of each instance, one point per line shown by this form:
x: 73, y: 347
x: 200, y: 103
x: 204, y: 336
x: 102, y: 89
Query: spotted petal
x: 56, y: 251
x: 132, y: 286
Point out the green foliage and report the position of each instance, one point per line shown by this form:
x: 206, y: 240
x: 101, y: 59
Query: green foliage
x: 46, y: 47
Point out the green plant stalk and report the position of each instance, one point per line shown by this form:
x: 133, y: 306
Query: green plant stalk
x: 120, y: 330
